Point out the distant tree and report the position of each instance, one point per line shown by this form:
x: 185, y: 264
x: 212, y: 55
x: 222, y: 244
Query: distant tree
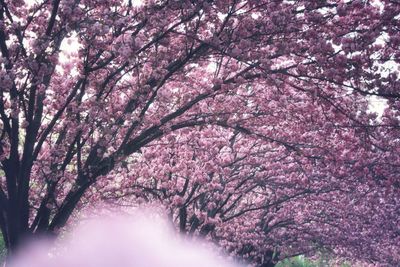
x: 261, y: 203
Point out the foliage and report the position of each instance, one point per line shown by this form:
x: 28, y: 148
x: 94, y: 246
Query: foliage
x: 301, y: 261
x: 3, y: 250
x: 296, y: 262
x: 247, y: 120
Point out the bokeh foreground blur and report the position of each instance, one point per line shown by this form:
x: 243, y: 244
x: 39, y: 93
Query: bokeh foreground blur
x: 144, y: 239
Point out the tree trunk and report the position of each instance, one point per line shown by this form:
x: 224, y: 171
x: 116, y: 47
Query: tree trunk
x: 21, y: 239
x: 270, y: 259
x: 268, y: 264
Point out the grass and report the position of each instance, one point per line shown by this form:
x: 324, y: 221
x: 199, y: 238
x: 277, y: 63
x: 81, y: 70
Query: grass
x: 2, y: 249
x: 301, y: 261
x: 298, y: 261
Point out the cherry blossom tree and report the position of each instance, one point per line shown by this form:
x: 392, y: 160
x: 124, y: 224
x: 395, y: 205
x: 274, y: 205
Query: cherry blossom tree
x: 261, y: 205
x: 294, y: 75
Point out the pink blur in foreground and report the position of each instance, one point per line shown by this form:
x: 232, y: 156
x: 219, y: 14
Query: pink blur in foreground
x: 142, y: 240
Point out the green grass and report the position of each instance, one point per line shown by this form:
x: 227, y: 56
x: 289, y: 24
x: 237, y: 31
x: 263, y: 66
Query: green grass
x: 3, y: 250
x: 298, y: 261
x: 301, y: 261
